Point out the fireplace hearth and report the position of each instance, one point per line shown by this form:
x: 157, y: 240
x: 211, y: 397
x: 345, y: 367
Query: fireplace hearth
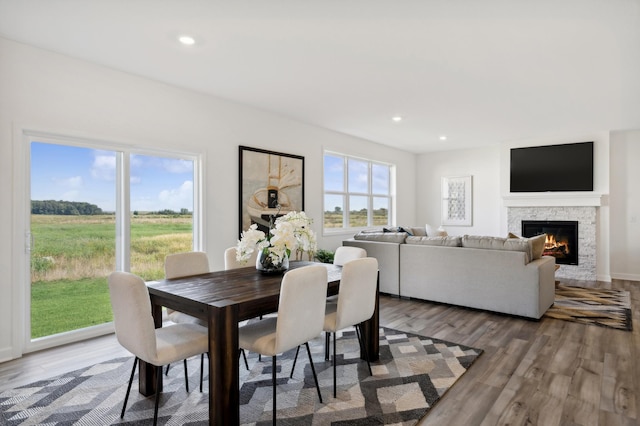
x: 561, y: 241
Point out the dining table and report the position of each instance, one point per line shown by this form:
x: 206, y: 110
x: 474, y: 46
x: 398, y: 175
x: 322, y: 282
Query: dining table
x: 223, y: 299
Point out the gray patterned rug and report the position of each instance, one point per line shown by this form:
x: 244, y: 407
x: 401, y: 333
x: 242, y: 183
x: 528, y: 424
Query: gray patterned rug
x: 413, y: 373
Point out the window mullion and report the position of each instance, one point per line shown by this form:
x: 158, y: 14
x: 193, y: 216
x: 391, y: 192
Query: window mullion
x: 123, y: 220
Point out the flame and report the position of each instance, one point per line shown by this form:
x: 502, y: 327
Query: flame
x: 551, y: 244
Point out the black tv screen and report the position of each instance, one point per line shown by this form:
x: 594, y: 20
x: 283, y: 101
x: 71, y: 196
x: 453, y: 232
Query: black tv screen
x: 567, y: 167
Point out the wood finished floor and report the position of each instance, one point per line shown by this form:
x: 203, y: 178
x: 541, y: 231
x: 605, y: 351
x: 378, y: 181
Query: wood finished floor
x: 547, y: 372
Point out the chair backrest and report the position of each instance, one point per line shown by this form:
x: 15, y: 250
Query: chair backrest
x: 132, y: 316
x: 230, y: 261
x: 303, y: 295
x: 186, y: 264
x: 357, y: 296
x: 344, y: 254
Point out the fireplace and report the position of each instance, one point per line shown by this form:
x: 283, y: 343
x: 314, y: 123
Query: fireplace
x: 562, y: 238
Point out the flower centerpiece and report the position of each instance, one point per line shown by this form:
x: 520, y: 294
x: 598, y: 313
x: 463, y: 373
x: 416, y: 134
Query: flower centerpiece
x: 288, y: 234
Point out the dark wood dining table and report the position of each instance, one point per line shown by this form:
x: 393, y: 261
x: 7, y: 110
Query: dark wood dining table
x: 223, y: 299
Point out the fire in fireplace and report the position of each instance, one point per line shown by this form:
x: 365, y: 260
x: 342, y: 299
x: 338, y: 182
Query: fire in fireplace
x: 561, y: 241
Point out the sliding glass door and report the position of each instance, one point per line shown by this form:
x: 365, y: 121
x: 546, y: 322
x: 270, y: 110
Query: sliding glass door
x: 93, y: 211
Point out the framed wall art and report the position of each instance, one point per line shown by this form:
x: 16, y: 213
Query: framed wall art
x: 271, y: 184
x: 457, y: 200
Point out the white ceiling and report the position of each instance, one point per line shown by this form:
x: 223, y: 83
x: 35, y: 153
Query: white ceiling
x: 478, y: 71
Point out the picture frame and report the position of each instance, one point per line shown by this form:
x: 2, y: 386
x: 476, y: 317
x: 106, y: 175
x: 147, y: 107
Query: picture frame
x: 457, y: 198
x: 271, y: 185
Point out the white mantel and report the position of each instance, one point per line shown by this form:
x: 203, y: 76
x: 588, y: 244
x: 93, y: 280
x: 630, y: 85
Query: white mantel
x: 553, y: 199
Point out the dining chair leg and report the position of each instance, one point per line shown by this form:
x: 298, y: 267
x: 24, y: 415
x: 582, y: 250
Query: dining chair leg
x: 335, y: 392
x: 244, y: 355
x: 273, y: 380
x: 126, y: 397
x: 313, y: 370
x: 293, y: 367
x: 326, y: 346
x: 167, y: 372
x: 363, y: 347
x: 158, y: 384
x: 186, y: 375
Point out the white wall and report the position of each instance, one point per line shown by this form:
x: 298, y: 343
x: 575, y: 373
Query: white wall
x: 625, y: 205
x: 45, y: 91
x: 484, y: 167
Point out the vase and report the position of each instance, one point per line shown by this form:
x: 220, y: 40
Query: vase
x: 266, y: 265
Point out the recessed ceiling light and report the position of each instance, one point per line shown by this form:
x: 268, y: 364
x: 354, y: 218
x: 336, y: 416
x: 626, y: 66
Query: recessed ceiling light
x: 187, y: 40
x: 443, y: 138
x: 396, y: 118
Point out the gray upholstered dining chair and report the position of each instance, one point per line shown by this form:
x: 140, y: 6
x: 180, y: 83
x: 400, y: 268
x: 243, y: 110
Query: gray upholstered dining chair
x: 230, y: 261
x: 136, y: 332
x: 344, y: 254
x: 185, y: 264
x: 179, y: 265
x: 300, y: 319
x: 356, y: 304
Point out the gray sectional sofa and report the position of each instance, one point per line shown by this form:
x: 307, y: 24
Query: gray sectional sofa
x: 506, y: 275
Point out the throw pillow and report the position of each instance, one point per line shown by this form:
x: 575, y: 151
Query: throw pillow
x: 537, y: 245
x: 430, y: 231
x: 435, y: 232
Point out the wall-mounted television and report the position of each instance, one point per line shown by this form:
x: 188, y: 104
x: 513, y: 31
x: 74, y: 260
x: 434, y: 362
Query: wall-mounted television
x: 566, y: 167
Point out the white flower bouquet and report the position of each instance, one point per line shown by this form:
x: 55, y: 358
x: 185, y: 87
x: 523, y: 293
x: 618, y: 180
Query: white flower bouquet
x: 289, y: 233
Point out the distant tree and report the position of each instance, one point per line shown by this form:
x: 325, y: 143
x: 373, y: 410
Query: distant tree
x: 64, y: 208
x: 184, y: 211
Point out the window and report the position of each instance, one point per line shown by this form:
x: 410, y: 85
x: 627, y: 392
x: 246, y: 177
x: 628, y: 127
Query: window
x: 357, y: 193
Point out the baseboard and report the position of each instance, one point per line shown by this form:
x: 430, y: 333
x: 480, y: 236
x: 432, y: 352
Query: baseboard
x: 604, y: 278
x: 6, y: 354
x: 628, y: 277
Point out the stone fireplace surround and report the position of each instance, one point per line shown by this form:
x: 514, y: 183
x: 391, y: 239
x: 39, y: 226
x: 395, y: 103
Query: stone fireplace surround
x: 556, y: 208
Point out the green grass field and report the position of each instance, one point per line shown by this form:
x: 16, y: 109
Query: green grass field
x: 73, y: 255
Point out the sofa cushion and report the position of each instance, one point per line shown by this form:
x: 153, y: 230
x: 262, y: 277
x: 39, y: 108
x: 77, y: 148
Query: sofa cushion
x: 435, y: 241
x: 418, y: 231
x: 497, y: 243
x: 385, y: 237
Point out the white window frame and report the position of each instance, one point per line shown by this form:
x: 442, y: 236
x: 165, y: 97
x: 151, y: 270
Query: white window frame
x: 346, y: 229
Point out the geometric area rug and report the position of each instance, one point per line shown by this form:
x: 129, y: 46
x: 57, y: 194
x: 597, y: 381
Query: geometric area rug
x: 412, y: 374
x: 594, y: 306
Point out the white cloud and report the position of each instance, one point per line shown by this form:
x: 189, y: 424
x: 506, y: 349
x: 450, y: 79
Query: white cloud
x: 177, y: 198
x: 104, y: 166
x: 177, y: 166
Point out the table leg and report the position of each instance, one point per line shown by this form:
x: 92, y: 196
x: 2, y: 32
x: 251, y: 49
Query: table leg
x: 147, y: 378
x: 371, y: 330
x: 224, y: 370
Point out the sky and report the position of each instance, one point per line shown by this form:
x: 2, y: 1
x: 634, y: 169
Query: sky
x: 71, y: 173
x: 358, y: 179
